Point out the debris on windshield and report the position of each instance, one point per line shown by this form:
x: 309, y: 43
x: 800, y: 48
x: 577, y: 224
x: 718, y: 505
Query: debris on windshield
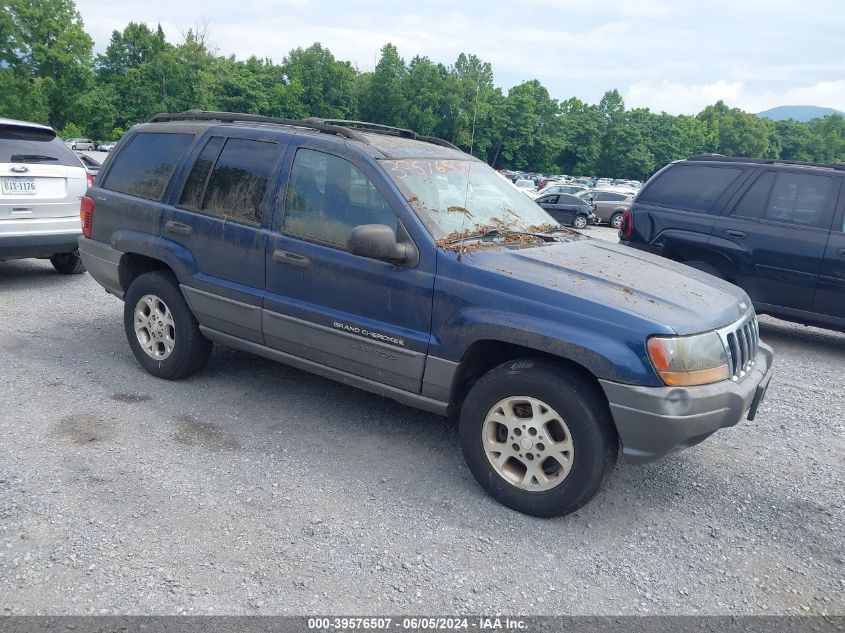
x: 494, y: 235
x: 552, y: 228
x: 457, y: 209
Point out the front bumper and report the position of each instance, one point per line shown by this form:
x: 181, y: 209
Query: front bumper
x: 655, y: 421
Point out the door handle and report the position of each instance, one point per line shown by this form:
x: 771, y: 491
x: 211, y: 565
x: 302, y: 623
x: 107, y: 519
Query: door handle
x: 178, y: 228
x: 291, y: 259
x: 737, y: 234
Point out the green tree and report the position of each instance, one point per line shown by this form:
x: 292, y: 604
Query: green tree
x: 46, y: 56
x: 425, y: 92
x: 133, y: 67
x: 532, y: 130
x: 582, y: 127
x: 327, y: 86
x: 733, y: 132
x: 830, y: 132
x: 382, y: 99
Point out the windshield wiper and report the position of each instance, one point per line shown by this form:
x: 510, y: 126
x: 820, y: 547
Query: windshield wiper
x: 492, y: 234
x: 31, y: 158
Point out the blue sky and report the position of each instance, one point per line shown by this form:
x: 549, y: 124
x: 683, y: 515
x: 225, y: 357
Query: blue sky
x: 669, y: 56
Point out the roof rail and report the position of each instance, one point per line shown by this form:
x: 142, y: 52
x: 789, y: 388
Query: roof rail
x: 378, y: 128
x: 232, y: 117
x: 341, y: 127
x: 369, y: 127
x: 764, y: 161
x: 440, y: 141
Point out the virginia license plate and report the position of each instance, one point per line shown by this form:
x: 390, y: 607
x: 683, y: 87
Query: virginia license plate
x: 25, y: 186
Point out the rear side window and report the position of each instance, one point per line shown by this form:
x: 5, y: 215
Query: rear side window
x: 754, y: 201
x: 548, y: 200
x: 238, y: 183
x: 693, y: 187
x: 195, y: 187
x: 32, y: 145
x: 799, y: 199
x: 143, y: 168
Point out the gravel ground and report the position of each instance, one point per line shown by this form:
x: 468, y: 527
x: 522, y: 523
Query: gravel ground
x: 253, y: 488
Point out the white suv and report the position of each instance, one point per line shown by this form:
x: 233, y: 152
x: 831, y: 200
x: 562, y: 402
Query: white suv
x: 41, y: 183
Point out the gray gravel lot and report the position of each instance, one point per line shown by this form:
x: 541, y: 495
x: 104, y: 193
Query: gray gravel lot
x: 255, y: 488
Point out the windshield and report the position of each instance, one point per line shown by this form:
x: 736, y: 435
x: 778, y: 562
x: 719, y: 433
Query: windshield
x: 463, y: 195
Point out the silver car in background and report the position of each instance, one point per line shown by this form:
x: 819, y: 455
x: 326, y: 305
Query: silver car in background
x: 84, y: 144
x: 41, y: 184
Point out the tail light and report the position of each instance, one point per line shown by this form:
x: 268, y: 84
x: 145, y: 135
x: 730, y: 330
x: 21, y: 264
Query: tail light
x: 90, y: 178
x: 627, y: 225
x: 86, y: 214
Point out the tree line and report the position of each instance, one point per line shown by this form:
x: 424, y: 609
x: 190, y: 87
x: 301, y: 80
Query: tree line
x: 49, y: 74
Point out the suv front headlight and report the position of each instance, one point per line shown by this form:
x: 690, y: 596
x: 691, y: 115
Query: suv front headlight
x: 684, y: 361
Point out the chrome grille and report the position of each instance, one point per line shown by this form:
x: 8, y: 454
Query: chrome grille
x: 741, y: 340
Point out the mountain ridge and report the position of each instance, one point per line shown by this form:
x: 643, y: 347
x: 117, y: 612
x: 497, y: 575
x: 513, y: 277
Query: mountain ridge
x: 802, y: 113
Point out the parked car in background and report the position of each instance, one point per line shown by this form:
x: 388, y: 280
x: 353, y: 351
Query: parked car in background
x: 324, y: 249
x: 106, y: 147
x: 570, y: 189
x: 41, y: 185
x: 609, y: 205
x: 626, y: 189
x: 774, y: 228
x: 81, y: 144
x: 525, y: 185
x: 92, y: 165
x: 568, y: 209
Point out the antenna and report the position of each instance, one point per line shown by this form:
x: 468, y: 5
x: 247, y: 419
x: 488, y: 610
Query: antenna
x: 469, y: 169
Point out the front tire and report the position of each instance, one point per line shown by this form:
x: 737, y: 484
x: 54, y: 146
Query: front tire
x: 68, y: 263
x: 161, y: 329
x: 537, y: 437
x: 580, y: 222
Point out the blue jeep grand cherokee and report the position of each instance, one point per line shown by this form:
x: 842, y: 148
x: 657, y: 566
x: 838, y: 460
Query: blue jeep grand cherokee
x: 398, y: 264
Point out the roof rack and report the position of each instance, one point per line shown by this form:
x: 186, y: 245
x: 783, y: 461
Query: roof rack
x: 389, y: 130
x: 764, y: 161
x: 232, y: 117
x: 378, y: 128
x: 341, y: 127
x: 439, y: 141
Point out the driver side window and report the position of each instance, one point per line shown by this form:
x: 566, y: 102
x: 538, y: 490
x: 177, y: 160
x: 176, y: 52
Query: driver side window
x: 328, y: 196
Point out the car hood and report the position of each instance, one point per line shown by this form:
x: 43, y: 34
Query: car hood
x: 661, y: 290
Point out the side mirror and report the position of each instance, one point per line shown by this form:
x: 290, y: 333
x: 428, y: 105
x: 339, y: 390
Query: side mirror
x: 378, y: 241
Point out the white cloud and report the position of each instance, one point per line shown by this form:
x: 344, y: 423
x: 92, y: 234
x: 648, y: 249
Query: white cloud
x: 681, y: 98
x: 673, y: 56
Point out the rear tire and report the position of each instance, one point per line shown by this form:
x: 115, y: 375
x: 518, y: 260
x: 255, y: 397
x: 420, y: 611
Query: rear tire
x: 161, y: 329
x: 580, y: 222
x: 561, y: 414
x: 68, y: 263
